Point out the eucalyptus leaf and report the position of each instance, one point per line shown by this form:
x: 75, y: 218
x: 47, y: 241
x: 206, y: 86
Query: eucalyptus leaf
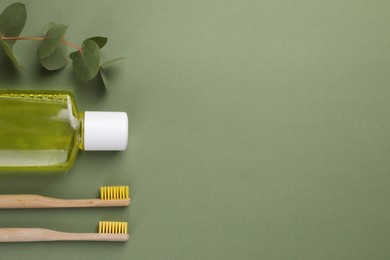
x: 112, y: 62
x: 47, y: 27
x: 54, y: 36
x: 100, y: 41
x: 57, y: 60
x: 12, y: 21
x: 72, y: 55
x: 86, y: 62
x: 8, y: 50
x: 104, y: 78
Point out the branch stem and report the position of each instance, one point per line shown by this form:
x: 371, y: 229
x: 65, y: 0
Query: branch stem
x: 72, y: 45
x: 14, y: 38
x: 24, y: 38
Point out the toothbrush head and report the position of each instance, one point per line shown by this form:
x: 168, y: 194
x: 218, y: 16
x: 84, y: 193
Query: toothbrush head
x: 111, y: 227
x: 114, y: 192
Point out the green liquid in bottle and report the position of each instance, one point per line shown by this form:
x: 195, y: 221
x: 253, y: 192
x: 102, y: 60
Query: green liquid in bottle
x: 39, y: 130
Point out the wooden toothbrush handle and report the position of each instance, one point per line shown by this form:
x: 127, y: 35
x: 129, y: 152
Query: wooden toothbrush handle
x: 25, y: 201
x: 41, y: 234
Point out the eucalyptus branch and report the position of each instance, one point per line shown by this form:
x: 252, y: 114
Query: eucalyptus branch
x: 52, y: 53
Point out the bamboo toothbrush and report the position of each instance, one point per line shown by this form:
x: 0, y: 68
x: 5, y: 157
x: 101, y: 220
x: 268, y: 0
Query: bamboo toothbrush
x: 110, y: 196
x: 108, y: 231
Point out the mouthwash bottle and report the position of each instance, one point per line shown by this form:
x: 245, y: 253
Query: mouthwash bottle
x: 43, y: 130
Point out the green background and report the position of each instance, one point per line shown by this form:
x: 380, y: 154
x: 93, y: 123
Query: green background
x: 258, y: 129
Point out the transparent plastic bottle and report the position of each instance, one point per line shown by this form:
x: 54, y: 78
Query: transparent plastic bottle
x: 43, y: 130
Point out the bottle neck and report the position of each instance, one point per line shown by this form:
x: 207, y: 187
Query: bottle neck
x: 81, y: 131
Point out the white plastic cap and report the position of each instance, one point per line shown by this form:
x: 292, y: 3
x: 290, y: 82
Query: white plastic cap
x: 105, y: 131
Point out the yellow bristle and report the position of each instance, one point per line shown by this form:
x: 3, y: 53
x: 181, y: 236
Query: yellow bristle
x: 114, y: 192
x: 112, y: 227
x: 100, y: 227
